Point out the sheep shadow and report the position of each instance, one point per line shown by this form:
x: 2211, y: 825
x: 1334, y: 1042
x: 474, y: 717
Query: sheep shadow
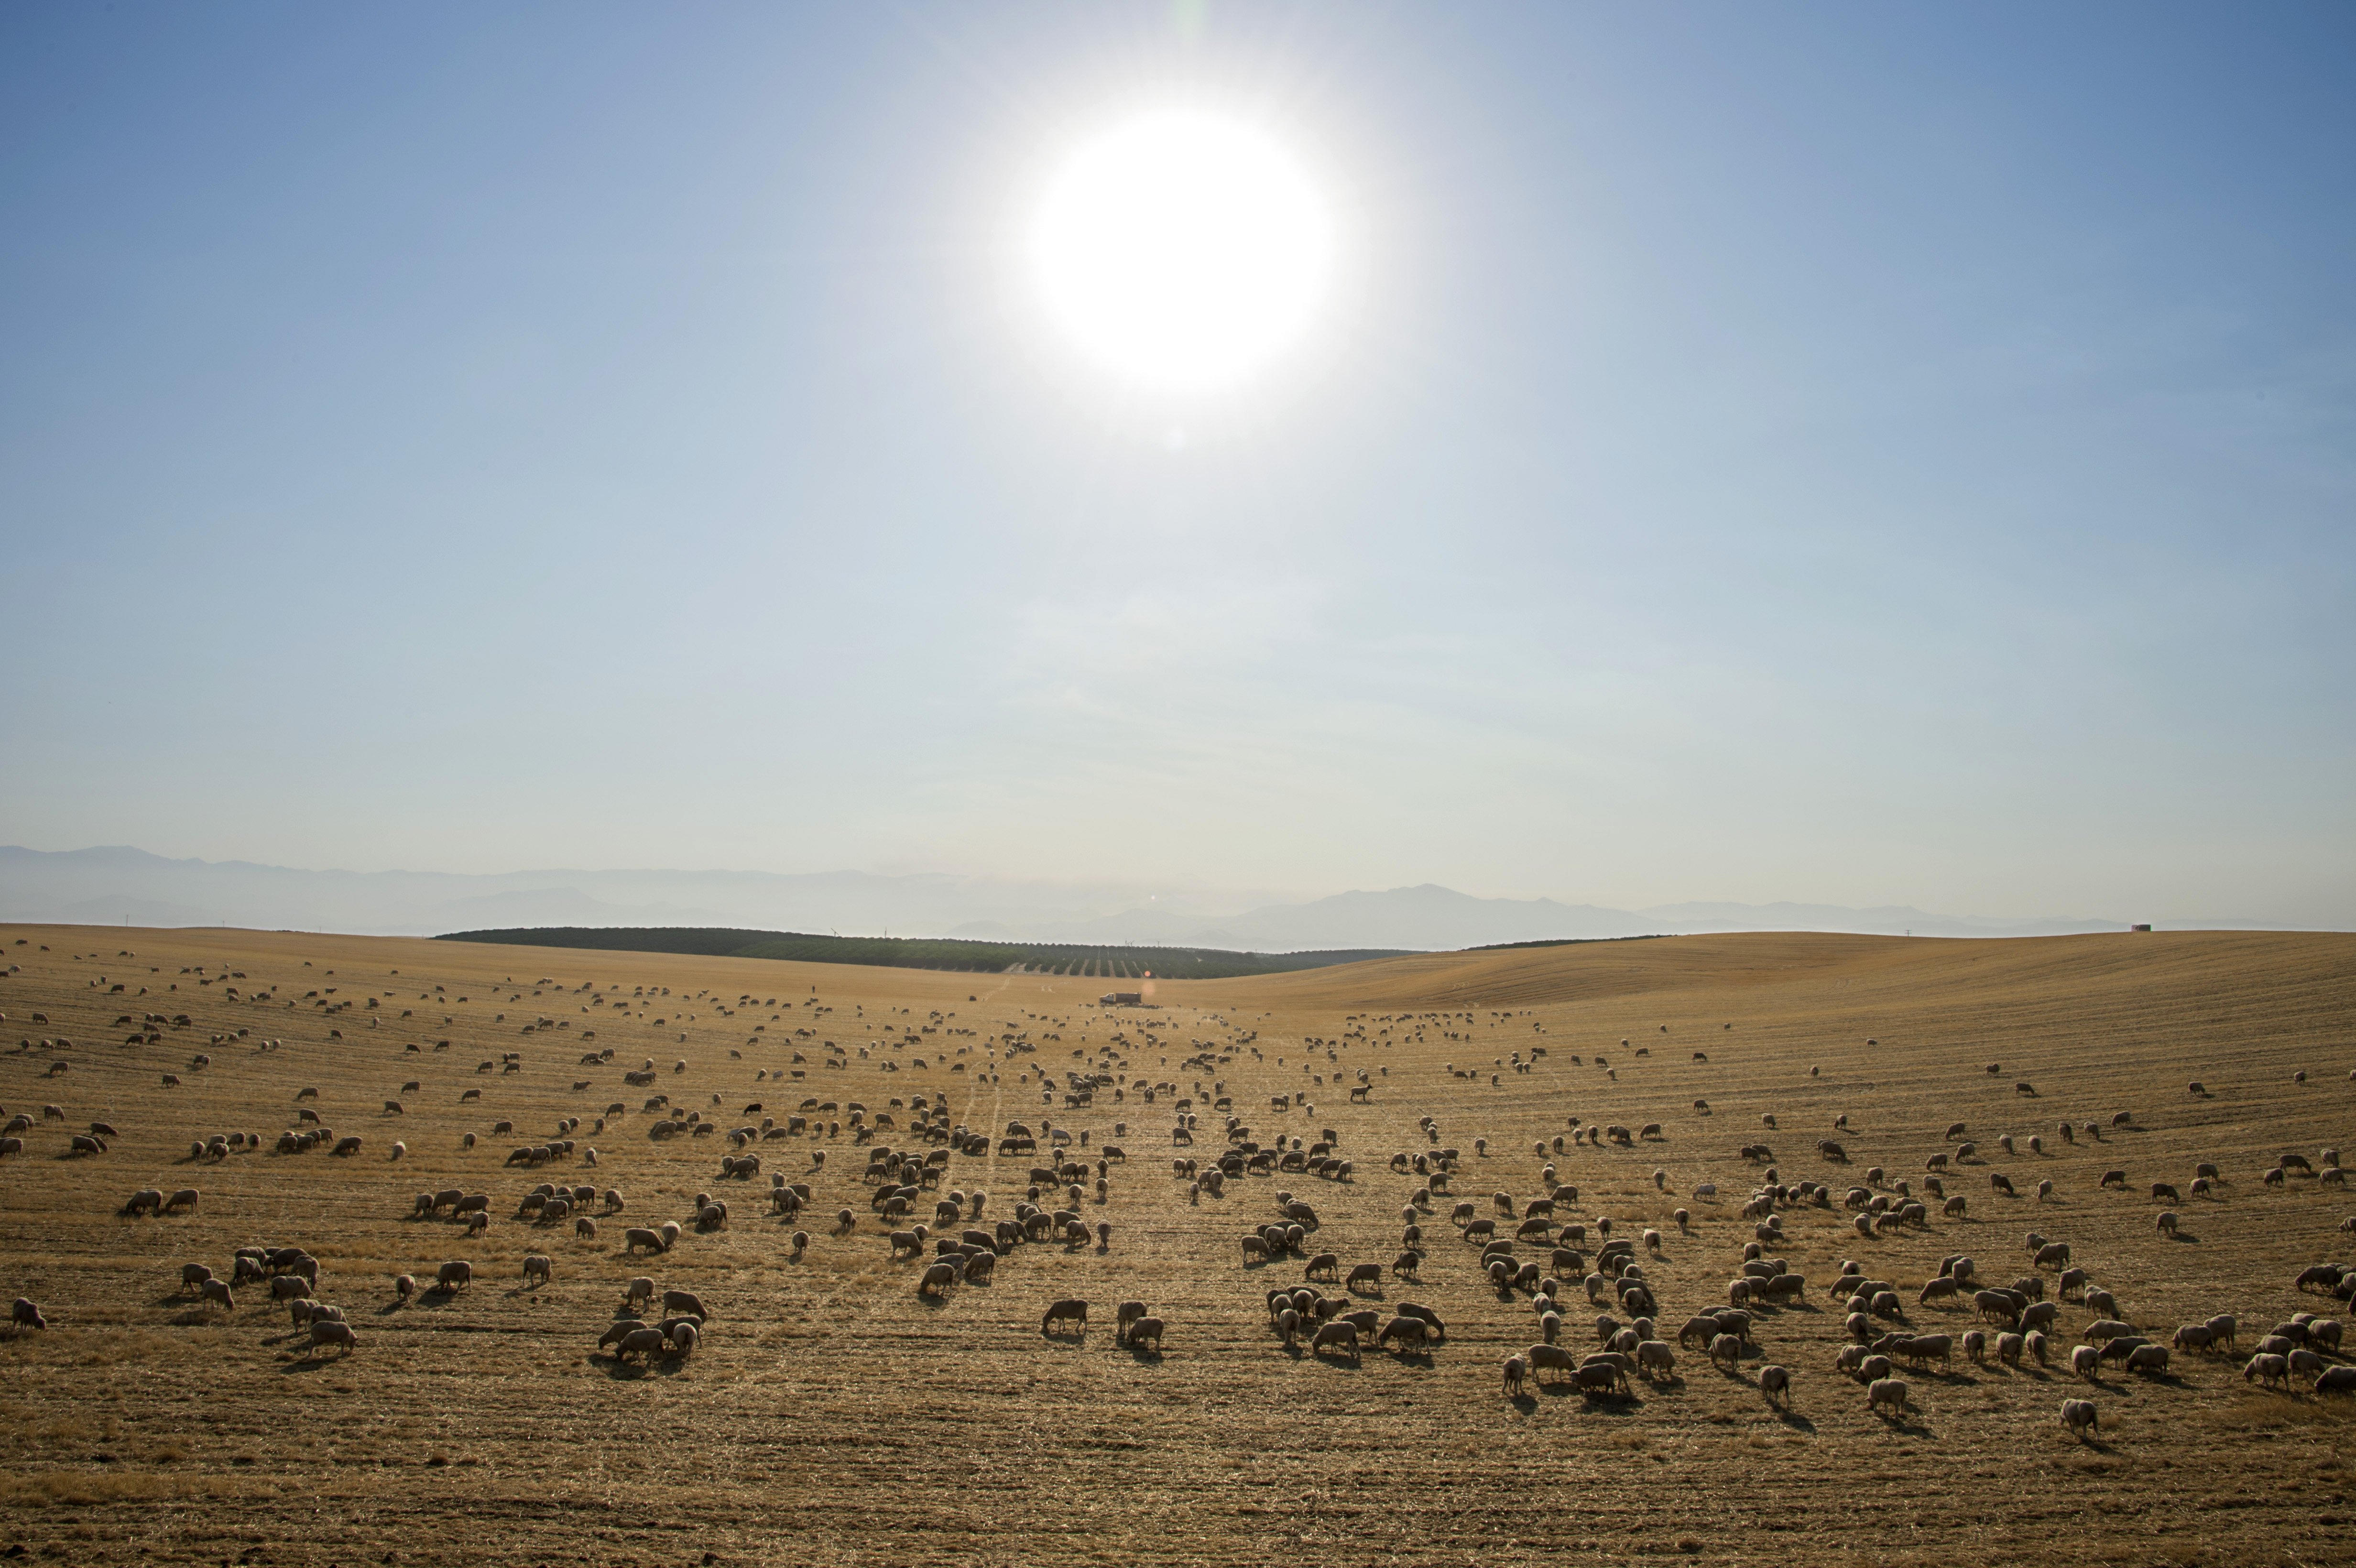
x: 2181, y: 1234
x: 619, y: 1371
x: 1412, y: 1358
x: 1903, y: 1422
x: 1143, y: 1355
x: 1522, y: 1403
x: 1792, y: 1419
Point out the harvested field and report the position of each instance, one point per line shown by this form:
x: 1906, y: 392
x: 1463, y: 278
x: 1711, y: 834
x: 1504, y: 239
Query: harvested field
x: 831, y: 1414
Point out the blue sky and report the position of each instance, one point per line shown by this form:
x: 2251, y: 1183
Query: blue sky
x: 1841, y: 453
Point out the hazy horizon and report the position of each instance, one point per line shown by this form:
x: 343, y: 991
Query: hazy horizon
x: 1837, y: 455
x: 119, y: 885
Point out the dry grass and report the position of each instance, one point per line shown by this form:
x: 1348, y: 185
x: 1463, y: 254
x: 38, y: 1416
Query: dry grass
x: 829, y: 1416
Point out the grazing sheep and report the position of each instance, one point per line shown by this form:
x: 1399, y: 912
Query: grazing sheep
x: 2336, y: 1380
x: 2152, y: 1358
x: 1776, y: 1386
x: 1885, y: 1392
x: 2078, y: 1417
x: 193, y: 1275
x: 1600, y: 1376
x: 2268, y: 1368
x: 2085, y: 1361
x: 1144, y: 1329
x: 1516, y: 1370
x: 1070, y: 1309
x: 403, y: 1285
x: 536, y: 1266
x: 1545, y: 1358
x: 640, y: 1342
x: 331, y: 1332
x: 455, y: 1275
x: 938, y: 1279
x: 1336, y: 1336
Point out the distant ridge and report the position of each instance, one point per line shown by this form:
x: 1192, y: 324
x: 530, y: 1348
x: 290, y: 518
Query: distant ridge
x: 118, y: 886
x: 1126, y: 962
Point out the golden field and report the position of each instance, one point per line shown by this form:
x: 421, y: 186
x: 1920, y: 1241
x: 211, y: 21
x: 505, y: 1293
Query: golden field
x: 830, y: 1416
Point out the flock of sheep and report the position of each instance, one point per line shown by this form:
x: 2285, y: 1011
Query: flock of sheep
x: 1544, y: 1251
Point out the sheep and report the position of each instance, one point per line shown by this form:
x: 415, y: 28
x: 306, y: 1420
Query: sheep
x: 1415, y: 1309
x: 455, y: 1275
x: 403, y: 1285
x: 2084, y: 1360
x: 1885, y: 1392
x: 2336, y: 1380
x: 332, y: 1332
x: 1070, y: 1309
x: 938, y: 1279
x: 2078, y: 1417
x: 639, y: 1342
x: 1517, y: 1369
x: 2267, y: 1369
x: 1776, y: 1386
x: 1654, y: 1356
x: 536, y: 1266
x: 1341, y: 1337
x: 1725, y: 1350
x: 1600, y: 1376
x: 193, y: 1275
x: 2150, y: 1359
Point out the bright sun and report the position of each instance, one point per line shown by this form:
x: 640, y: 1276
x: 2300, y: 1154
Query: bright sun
x: 1181, y: 250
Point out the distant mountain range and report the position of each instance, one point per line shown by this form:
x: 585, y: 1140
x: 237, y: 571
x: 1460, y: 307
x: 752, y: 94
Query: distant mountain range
x: 118, y: 886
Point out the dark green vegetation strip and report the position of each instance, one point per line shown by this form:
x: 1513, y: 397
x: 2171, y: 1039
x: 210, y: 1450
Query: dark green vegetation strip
x: 927, y: 952
x: 1563, y: 942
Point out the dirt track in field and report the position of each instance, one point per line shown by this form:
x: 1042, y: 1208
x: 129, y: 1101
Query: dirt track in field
x: 831, y: 1417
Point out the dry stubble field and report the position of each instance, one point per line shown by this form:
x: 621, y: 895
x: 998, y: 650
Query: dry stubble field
x: 829, y: 1416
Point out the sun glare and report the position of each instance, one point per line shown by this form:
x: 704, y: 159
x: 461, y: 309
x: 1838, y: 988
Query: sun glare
x: 1181, y: 250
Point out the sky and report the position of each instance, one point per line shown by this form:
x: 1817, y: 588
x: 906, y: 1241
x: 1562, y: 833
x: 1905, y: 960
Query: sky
x: 1844, y: 453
